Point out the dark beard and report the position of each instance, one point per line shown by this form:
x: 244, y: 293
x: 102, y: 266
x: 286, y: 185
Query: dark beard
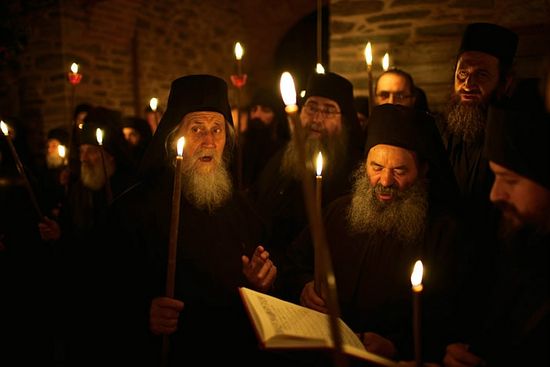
x: 467, y: 120
x: 333, y: 149
x: 403, y: 218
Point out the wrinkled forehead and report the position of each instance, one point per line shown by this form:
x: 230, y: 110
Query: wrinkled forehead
x: 322, y: 101
x: 203, y: 117
x: 476, y: 59
x: 392, y: 153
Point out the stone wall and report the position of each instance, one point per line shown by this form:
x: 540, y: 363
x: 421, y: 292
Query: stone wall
x: 422, y: 37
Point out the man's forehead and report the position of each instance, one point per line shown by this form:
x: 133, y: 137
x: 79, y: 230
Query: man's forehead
x: 391, y: 151
x: 393, y: 80
x: 477, y: 59
x: 322, y: 101
x: 204, y: 116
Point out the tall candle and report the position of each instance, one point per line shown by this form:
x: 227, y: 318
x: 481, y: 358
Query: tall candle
x: 153, y: 104
x: 319, y: 181
x: 323, y: 263
x: 108, y: 191
x: 239, y: 51
x: 21, y: 169
x: 416, y: 281
x: 368, y: 59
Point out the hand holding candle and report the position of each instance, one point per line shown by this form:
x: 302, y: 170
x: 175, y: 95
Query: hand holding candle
x: 416, y: 281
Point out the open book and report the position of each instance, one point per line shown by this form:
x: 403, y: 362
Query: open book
x: 284, y: 325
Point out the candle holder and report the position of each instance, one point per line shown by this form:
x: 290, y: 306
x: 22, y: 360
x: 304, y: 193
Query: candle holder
x: 74, y: 78
x: 239, y: 81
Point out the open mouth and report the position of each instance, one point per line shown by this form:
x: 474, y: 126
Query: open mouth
x: 385, y: 196
x: 470, y: 96
x: 206, y: 159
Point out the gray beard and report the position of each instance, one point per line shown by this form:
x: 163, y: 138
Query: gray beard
x: 333, y: 150
x: 467, y: 120
x: 403, y: 218
x: 54, y: 161
x: 206, y: 190
x: 93, y: 176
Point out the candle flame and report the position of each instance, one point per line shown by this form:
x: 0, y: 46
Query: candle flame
x: 61, y: 150
x: 386, y: 62
x: 319, y: 164
x: 303, y: 93
x: 368, y: 54
x: 4, y: 127
x: 239, y: 51
x: 416, y: 276
x: 288, y: 90
x: 74, y: 67
x: 153, y: 103
x: 99, y: 136
x: 181, y: 144
x: 319, y: 69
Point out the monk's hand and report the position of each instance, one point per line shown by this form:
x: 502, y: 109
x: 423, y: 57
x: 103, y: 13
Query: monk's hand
x: 457, y: 355
x: 164, y: 314
x: 259, y: 270
x: 309, y: 298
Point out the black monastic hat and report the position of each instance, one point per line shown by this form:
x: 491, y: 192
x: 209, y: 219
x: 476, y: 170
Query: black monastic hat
x: 492, y: 39
x: 414, y: 130
x: 518, y: 134
x: 191, y: 93
x: 60, y: 134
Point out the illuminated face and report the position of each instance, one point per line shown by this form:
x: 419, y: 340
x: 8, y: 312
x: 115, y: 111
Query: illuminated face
x: 321, y: 117
x: 52, y: 147
x: 521, y: 200
x: 131, y: 135
x: 394, y: 88
x: 204, y: 139
x: 391, y: 168
x: 476, y: 77
x: 263, y: 113
x: 90, y: 155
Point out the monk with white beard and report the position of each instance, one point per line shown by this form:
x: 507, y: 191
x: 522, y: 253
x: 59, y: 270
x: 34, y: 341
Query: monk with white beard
x: 220, y: 244
x: 402, y: 209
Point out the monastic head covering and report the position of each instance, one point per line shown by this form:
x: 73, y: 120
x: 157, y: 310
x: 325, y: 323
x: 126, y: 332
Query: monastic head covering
x: 267, y: 97
x: 191, y: 93
x: 60, y: 134
x: 140, y: 125
x: 492, y: 39
x: 83, y: 107
x: 415, y: 130
x: 339, y: 89
x: 109, y: 121
x: 518, y: 134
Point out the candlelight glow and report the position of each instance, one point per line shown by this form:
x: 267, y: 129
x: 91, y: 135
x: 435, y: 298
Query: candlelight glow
x: 153, y: 103
x: 302, y: 93
x: 319, y: 69
x: 181, y: 144
x: 99, y: 136
x: 288, y: 90
x: 239, y: 51
x: 61, y: 150
x: 74, y: 67
x: 386, y: 62
x: 319, y: 164
x: 368, y: 54
x: 416, y: 276
x: 4, y: 127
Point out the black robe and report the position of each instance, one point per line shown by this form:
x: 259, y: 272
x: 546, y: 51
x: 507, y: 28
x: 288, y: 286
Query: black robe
x: 213, y: 327
x: 373, y: 277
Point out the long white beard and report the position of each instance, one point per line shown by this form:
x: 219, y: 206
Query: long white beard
x: 404, y: 218
x: 93, y: 175
x: 206, y: 189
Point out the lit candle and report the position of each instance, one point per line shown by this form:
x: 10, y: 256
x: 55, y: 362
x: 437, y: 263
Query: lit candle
x: 108, y: 191
x: 74, y: 76
x: 62, y: 152
x: 325, y: 283
x: 21, y: 169
x: 319, y: 180
x: 416, y: 281
x: 153, y: 104
x: 386, y: 62
x: 239, y: 51
x: 319, y: 69
x: 368, y: 59
x: 174, y: 221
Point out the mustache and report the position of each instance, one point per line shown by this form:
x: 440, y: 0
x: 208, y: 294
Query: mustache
x: 385, y: 190
x: 505, y: 207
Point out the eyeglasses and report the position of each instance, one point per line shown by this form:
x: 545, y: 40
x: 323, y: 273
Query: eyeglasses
x: 397, y: 96
x: 327, y: 112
